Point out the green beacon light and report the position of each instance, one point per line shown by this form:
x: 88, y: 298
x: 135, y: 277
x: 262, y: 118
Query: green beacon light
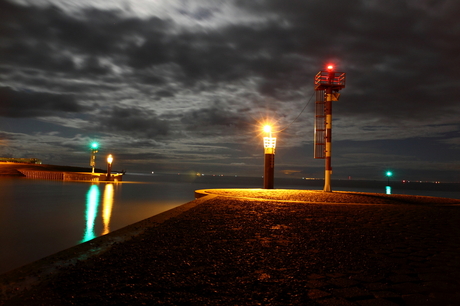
x: 389, y: 174
x: 94, y: 150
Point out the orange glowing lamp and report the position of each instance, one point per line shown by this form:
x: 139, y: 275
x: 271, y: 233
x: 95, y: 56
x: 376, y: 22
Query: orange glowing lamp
x: 110, y: 159
x: 269, y: 142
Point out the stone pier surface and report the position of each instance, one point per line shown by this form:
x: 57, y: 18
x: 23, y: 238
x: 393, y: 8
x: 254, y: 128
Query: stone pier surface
x: 266, y: 247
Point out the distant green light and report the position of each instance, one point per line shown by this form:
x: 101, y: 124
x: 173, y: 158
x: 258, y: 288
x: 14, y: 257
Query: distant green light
x: 94, y: 146
x: 389, y: 173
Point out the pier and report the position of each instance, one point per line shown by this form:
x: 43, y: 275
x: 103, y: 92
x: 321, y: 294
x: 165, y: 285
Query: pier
x: 53, y: 172
x: 70, y: 176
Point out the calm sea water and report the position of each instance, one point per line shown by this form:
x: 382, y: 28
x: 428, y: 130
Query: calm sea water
x: 39, y: 217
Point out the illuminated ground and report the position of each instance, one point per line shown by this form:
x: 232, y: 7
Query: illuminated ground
x: 271, y: 247
x: 325, y: 197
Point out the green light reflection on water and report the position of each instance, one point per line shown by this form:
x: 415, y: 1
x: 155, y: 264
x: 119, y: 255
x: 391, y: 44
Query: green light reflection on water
x: 92, y: 204
x: 388, y: 189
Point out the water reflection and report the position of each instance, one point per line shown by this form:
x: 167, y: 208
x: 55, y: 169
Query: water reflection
x: 92, y: 205
x: 107, y: 207
x: 388, y: 190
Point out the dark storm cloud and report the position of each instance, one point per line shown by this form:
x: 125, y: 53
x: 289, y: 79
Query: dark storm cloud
x: 7, y: 136
x: 132, y: 121
x: 164, y: 94
x: 28, y: 103
x: 47, y: 38
x: 393, y: 52
x: 229, y: 54
x: 215, y: 119
x: 26, y: 38
x: 143, y: 156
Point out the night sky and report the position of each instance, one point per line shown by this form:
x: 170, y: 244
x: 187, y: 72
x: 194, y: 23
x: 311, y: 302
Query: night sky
x: 185, y: 86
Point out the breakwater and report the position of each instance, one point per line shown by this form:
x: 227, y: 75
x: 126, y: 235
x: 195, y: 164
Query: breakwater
x: 69, y: 176
x: 54, y: 172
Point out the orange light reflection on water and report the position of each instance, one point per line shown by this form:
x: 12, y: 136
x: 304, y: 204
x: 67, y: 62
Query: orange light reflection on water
x: 107, y: 207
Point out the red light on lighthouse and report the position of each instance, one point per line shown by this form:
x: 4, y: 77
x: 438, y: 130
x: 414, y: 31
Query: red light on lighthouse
x: 330, y: 67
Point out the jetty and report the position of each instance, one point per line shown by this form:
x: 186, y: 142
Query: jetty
x: 261, y: 247
x: 55, y: 172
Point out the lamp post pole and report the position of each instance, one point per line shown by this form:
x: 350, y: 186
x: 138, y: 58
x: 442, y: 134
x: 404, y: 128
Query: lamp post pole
x: 269, y: 158
x: 328, y: 149
x: 94, y: 150
x: 109, y: 167
x: 388, y: 187
x: 389, y: 174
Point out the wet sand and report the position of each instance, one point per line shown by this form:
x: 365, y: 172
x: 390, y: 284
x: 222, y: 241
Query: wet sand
x: 262, y: 247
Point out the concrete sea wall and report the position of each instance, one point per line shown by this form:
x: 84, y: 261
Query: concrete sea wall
x: 69, y: 176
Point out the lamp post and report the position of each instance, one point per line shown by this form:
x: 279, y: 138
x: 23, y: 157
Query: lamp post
x: 109, y: 166
x: 94, y: 150
x: 389, y: 174
x: 269, y: 158
x: 388, y: 187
